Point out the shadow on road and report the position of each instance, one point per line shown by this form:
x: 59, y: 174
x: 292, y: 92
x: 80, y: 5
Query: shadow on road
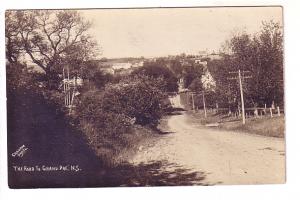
x: 152, y: 174
x: 175, y: 113
x: 126, y: 175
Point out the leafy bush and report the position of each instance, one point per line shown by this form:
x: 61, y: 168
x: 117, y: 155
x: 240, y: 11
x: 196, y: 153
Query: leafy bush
x: 106, y: 117
x: 139, y: 98
x: 91, y: 110
x: 159, y: 70
x: 104, y: 130
x: 27, y: 88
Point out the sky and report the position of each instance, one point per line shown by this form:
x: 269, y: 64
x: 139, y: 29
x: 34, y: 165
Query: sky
x: 172, y: 31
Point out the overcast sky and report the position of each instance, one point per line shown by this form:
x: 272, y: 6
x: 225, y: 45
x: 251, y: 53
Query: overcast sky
x: 171, y: 31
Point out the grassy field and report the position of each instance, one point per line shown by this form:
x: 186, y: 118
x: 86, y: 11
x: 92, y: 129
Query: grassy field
x: 267, y: 126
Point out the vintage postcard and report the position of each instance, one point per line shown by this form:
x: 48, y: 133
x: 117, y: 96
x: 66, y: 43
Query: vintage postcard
x: 145, y: 97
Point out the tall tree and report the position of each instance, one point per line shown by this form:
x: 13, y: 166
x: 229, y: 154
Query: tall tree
x: 191, y: 72
x: 13, y: 45
x: 51, y: 39
x: 156, y: 70
x: 268, y: 64
x: 262, y: 55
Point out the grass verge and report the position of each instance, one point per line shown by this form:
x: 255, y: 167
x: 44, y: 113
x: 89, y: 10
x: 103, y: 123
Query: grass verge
x: 267, y: 126
x: 117, y: 149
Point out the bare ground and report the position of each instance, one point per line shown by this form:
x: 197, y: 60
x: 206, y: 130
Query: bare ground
x: 218, y: 157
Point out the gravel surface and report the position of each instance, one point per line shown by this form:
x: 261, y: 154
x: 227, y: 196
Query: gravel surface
x: 223, y: 157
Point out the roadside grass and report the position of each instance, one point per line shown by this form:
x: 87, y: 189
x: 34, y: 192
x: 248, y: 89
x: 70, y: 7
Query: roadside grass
x: 266, y: 126
x: 272, y: 127
x: 140, y: 137
x: 116, y: 150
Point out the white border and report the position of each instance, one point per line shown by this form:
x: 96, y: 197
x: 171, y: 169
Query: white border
x: 290, y: 190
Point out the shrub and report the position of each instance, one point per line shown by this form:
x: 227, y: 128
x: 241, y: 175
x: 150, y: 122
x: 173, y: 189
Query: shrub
x: 139, y: 98
x: 104, y: 130
x: 157, y: 70
x: 106, y: 117
x: 90, y: 109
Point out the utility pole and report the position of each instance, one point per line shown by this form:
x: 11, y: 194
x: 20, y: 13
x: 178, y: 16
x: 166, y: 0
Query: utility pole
x: 240, y: 77
x: 204, y: 107
x: 193, y: 102
x: 242, y: 98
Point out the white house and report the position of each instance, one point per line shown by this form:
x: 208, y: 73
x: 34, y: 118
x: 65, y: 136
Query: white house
x: 117, y: 66
x: 198, y: 61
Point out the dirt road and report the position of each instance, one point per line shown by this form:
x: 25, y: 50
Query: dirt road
x: 222, y: 157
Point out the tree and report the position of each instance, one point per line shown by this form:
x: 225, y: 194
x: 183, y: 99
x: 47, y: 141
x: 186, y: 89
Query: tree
x: 226, y: 91
x: 157, y: 70
x: 176, y: 67
x: 192, y: 72
x: 100, y: 79
x: 13, y: 43
x: 139, y: 97
x: 267, y: 83
x: 196, y: 85
x: 262, y: 55
x: 51, y: 39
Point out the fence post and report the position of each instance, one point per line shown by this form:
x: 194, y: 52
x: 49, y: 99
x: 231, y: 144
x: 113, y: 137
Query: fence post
x: 265, y: 110
x: 278, y: 111
x: 271, y: 112
x: 193, y: 102
x: 204, y: 106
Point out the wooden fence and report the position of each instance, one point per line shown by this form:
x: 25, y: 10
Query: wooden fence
x: 249, y: 112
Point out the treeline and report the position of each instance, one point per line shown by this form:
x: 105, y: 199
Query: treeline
x: 260, y: 59
x: 258, y: 56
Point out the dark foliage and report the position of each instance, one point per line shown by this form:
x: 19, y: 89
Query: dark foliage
x: 159, y: 70
x: 192, y: 72
x: 36, y: 119
x: 262, y: 56
x: 139, y: 98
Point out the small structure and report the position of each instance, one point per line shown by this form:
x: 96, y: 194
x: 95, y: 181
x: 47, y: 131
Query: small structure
x: 70, y: 88
x: 198, y: 61
x: 119, y: 66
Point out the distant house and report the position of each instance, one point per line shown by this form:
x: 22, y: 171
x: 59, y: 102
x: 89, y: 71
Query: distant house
x: 138, y: 64
x: 198, y: 61
x: 184, y: 62
x: 119, y: 66
x: 214, y: 56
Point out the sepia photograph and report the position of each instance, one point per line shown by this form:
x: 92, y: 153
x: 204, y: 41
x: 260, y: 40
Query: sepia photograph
x: 137, y: 97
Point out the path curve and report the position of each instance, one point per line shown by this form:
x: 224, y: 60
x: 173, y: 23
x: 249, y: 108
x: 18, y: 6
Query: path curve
x: 225, y: 157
